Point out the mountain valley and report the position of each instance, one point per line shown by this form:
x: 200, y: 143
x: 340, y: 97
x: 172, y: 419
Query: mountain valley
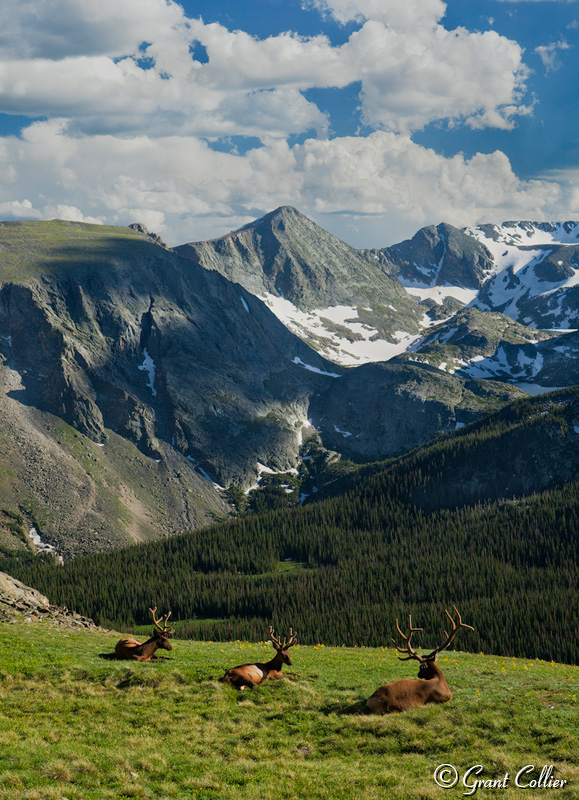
x: 145, y: 389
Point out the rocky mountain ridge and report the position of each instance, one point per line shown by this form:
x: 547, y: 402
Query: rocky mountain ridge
x: 341, y: 301
x: 138, y: 382
x: 526, y: 271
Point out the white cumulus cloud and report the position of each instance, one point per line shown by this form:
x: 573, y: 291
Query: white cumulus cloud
x: 131, y: 113
x: 409, y: 14
x: 122, y: 66
x: 385, y: 185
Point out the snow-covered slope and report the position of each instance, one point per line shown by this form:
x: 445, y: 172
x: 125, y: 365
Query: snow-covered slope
x: 489, y: 345
x: 343, y: 334
x: 526, y: 234
x: 535, y: 276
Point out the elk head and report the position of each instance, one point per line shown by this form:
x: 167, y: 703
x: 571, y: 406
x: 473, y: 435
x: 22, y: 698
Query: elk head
x: 432, y: 686
x: 426, y: 670
x: 283, y: 647
x: 161, y: 634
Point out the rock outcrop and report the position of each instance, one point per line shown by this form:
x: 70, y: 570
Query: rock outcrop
x: 21, y: 602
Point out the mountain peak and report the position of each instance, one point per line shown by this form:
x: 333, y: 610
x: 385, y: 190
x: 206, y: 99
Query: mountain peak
x: 277, y: 218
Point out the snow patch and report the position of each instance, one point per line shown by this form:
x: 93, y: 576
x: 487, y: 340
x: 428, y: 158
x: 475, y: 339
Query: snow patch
x: 148, y: 366
x: 263, y: 470
x: 209, y: 479
x: 43, y: 547
x: 440, y: 293
x: 344, y: 433
x: 368, y: 347
x: 297, y: 360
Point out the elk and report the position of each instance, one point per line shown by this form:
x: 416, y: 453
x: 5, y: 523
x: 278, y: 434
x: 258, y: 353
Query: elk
x: 249, y: 675
x: 431, y: 686
x: 133, y: 650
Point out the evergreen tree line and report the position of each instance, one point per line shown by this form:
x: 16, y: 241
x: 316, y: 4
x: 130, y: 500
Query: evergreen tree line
x: 340, y: 572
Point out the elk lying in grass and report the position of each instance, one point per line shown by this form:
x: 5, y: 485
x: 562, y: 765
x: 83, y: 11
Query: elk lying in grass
x: 132, y: 649
x: 250, y: 675
x: 432, y: 686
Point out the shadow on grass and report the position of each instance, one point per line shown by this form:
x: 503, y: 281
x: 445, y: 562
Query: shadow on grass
x: 113, y: 657
x: 337, y: 708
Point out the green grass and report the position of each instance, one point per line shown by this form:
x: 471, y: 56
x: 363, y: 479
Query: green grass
x: 33, y: 248
x: 78, y: 727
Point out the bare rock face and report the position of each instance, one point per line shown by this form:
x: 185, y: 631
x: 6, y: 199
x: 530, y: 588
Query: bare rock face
x: 381, y: 410
x: 441, y: 255
x: 286, y: 255
x: 110, y: 331
x: 17, y: 595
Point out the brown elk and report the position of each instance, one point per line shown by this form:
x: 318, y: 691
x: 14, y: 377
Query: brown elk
x: 249, y: 675
x: 432, y: 686
x: 132, y: 649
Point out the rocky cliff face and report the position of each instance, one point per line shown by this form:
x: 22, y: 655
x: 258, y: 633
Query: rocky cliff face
x: 159, y: 350
x: 381, y: 410
x: 127, y: 342
x: 441, y: 255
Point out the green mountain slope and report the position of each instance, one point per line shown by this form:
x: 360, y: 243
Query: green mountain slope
x: 474, y: 520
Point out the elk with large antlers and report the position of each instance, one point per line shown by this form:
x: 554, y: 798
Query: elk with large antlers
x: 132, y: 649
x: 432, y: 686
x: 249, y: 675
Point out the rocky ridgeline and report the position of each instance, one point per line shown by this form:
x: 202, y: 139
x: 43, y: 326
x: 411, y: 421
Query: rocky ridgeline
x: 18, y: 601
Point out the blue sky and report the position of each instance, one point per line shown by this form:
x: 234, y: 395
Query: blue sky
x: 373, y: 117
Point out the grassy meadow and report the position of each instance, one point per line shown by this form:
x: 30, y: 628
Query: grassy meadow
x: 74, y: 726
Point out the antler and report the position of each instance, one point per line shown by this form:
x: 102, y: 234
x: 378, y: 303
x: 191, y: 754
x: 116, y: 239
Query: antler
x: 277, y: 643
x: 408, y: 649
x: 450, y: 636
x: 456, y: 626
x: 165, y: 629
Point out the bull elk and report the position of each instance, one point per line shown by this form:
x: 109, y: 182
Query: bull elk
x: 249, y: 675
x: 134, y: 650
x: 431, y: 686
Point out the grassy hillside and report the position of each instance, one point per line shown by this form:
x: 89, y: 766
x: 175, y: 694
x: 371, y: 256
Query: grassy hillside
x: 77, y: 727
x: 29, y: 249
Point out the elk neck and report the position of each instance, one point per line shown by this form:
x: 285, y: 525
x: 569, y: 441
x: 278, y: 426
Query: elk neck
x: 149, y: 647
x: 276, y: 662
x: 432, y: 672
